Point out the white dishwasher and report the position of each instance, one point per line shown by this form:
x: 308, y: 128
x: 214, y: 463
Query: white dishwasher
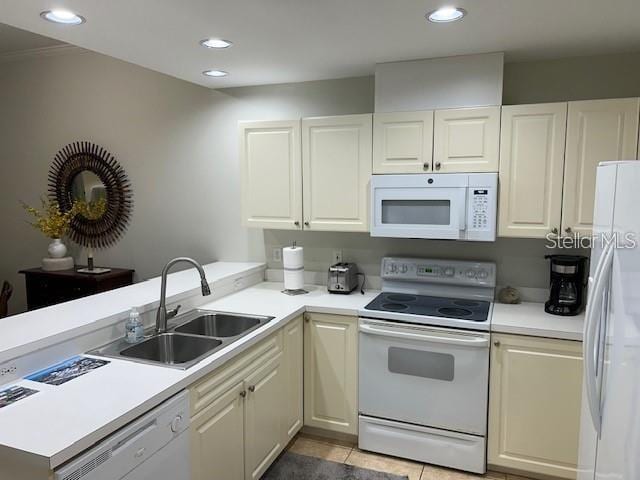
x: 152, y: 447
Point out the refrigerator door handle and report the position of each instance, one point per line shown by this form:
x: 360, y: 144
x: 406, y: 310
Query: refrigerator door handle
x: 593, y: 318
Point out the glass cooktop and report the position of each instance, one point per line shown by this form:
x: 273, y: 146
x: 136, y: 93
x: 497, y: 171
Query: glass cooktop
x: 458, y: 308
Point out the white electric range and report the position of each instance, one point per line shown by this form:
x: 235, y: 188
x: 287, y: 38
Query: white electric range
x: 424, y: 362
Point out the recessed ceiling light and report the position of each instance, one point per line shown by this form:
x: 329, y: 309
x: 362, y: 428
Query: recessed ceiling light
x: 215, y: 43
x: 446, y: 14
x: 65, y: 17
x: 215, y: 73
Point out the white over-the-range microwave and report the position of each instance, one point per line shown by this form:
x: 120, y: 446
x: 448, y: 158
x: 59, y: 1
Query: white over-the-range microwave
x: 453, y: 206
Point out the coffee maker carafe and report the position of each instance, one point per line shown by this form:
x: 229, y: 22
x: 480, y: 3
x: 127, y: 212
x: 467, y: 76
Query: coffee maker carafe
x: 567, y: 284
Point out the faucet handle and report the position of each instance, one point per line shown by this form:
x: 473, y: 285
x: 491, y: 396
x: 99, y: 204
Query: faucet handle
x: 173, y: 312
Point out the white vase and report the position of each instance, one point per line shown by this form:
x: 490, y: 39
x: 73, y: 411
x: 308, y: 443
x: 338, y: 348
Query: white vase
x: 57, y: 249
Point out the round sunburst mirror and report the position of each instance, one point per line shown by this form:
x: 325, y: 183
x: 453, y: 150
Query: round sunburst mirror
x: 87, y: 176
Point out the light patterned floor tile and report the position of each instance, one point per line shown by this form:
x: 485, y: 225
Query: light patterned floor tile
x: 495, y: 476
x: 432, y: 472
x: 330, y: 441
x: 382, y: 463
x: 312, y: 448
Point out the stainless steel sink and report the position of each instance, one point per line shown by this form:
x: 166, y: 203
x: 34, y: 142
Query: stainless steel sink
x: 220, y: 324
x: 172, y: 348
x: 192, y: 337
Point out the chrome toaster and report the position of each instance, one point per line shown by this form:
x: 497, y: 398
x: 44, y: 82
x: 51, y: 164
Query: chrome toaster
x: 342, y: 278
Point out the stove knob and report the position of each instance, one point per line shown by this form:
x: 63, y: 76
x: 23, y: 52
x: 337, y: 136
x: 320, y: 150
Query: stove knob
x: 471, y: 273
x: 449, y: 271
x: 482, y: 274
x: 394, y: 268
x: 404, y: 268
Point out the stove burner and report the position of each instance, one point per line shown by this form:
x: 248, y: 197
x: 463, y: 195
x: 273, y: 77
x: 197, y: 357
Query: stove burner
x: 466, y: 303
x: 455, y: 312
x: 394, y: 307
x: 400, y: 297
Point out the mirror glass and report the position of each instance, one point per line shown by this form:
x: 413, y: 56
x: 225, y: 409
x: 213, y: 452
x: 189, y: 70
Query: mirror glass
x: 89, y: 194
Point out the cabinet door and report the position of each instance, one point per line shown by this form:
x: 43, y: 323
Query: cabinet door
x: 292, y: 363
x: 534, y: 405
x: 336, y: 153
x: 331, y: 372
x: 271, y: 167
x: 217, y: 438
x: 466, y: 140
x: 263, y: 418
x: 531, y: 165
x: 402, y: 142
x: 597, y: 130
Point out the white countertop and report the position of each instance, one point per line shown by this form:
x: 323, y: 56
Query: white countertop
x: 60, y: 422
x: 29, y: 331
x: 529, y: 318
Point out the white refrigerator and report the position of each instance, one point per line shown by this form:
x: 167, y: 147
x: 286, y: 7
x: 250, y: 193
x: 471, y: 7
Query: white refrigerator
x: 610, y: 417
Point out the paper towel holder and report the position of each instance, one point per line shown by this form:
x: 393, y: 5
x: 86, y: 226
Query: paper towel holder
x: 296, y: 291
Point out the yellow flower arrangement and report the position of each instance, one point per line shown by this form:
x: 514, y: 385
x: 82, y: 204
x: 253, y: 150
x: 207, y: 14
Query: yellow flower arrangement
x: 50, y: 220
x: 91, y: 210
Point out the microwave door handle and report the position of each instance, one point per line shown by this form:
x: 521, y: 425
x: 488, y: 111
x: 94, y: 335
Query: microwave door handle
x: 477, y: 342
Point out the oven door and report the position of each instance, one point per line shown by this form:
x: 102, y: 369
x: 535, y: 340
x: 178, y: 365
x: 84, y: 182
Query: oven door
x: 420, y: 212
x: 423, y: 375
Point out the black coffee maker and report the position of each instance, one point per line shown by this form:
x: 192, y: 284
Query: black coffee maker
x: 567, y: 282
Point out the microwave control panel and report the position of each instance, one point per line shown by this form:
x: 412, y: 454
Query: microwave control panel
x: 479, y: 208
x: 481, y: 213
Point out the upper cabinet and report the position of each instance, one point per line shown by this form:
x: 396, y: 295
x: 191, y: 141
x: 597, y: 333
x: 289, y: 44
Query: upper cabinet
x: 597, y: 130
x: 336, y: 169
x: 531, y: 168
x: 403, y: 142
x: 271, y: 167
x: 466, y: 140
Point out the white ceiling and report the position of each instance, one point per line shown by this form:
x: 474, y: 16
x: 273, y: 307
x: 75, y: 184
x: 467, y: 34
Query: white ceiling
x: 295, y: 40
x: 14, y: 40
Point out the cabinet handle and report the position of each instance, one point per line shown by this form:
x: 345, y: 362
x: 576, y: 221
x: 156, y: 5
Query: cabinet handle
x: 438, y: 165
x: 425, y: 165
x: 243, y: 393
x: 306, y: 317
x: 567, y: 230
x: 296, y: 223
x: 252, y: 388
x: 554, y: 230
x: 306, y: 224
x: 496, y: 343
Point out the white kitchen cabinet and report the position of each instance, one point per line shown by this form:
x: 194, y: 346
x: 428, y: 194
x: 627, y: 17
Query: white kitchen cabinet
x: 403, y: 142
x: 466, y: 140
x: 532, y: 143
x: 244, y: 413
x: 336, y: 170
x: 271, y: 164
x: 293, y: 371
x: 264, y: 418
x: 597, y: 130
x: 331, y: 372
x: 217, y: 438
x: 534, y: 405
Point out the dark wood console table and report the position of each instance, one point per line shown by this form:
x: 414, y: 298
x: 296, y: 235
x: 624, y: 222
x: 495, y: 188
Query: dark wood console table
x: 48, y: 288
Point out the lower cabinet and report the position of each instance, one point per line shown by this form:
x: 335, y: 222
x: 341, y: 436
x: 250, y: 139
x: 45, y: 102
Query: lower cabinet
x: 331, y: 372
x: 244, y: 413
x: 534, y: 405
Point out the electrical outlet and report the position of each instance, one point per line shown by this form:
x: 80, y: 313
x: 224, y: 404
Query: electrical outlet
x: 277, y: 254
x: 337, y: 256
x: 7, y: 370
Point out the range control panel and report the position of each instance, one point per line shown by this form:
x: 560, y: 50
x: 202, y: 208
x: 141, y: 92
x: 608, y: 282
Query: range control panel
x: 439, y: 271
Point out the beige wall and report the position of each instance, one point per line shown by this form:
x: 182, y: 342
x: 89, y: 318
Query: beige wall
x: 578, y: 78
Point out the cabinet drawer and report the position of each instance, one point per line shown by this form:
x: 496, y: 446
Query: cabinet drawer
x: 217, y: 382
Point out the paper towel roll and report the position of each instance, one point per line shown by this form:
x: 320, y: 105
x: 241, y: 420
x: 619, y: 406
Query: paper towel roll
x: 294, y: 279
x: 293, y: 257
x: 293, y: 263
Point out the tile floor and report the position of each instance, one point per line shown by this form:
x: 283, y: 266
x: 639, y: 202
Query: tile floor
x: 344, y: 452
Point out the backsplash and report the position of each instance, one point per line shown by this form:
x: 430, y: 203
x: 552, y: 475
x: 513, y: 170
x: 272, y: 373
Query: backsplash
x: 520, y: 262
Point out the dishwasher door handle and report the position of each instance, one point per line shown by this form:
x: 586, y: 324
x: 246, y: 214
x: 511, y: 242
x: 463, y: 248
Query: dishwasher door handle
x: 466, y: 341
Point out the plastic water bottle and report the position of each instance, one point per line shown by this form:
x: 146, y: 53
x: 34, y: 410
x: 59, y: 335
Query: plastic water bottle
x: 134, y: 330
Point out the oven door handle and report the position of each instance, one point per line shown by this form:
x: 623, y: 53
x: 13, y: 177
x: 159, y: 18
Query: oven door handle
x: 477, y: 342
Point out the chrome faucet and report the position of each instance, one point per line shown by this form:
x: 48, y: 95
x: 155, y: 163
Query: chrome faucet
x: 163, y: 315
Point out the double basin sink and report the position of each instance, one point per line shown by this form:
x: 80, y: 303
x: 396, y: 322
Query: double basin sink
x: 190, y: 338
